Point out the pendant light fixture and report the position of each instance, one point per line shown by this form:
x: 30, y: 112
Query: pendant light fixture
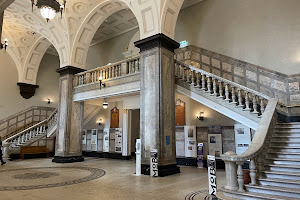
x: 49, y: 8
x: 105, y: 104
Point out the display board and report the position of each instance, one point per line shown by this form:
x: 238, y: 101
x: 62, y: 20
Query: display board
x: 242, y: 138
x: 114, y: 118
x: 94, y: 139
x: 118, y: 140
x: 106, y: 140
x: 212, y: 175
x: 179, y: 113
x: 153, y: 163
x: 215, y: 145
x: 190, y: 141
x: 84, y: 135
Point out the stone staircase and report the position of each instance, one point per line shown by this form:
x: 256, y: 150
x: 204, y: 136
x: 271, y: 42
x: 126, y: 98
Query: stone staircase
x: 280, y: 177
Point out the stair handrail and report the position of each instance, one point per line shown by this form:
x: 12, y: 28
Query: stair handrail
x: 41, y: 126
x: 6, y: 125
x: 208, y: 74
x: 255, y: 153
x: 32, y: 127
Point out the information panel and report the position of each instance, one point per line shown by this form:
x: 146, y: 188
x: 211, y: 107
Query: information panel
x: 94, y: 139
x: 242, y: 138
x: 118, y: 140
x: 215, y: 145
x: 190, y: 141
x: 84, y: 135
x: 106, y: 140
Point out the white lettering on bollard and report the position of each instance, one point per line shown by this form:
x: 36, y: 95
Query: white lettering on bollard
x: 154, y: 163
x: 212, y: 178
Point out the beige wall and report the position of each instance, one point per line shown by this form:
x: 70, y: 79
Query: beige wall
x: 211, y: 117
x: 11, y: 101
x: 109, y: 51
x: 265, y: 33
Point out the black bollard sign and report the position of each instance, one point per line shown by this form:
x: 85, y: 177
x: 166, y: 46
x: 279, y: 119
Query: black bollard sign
x: 154, y: 163
x: 212, y: 177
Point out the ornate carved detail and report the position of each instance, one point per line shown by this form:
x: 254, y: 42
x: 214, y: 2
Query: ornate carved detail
x: 27, y: 90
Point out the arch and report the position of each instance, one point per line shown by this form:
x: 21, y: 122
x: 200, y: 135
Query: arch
x: 144, y: 11
x: 33, y: 60
x: 55, y: 31
x: 170, y: 12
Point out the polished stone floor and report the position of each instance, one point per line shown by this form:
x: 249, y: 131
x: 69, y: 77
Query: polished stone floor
x: 97, y: 178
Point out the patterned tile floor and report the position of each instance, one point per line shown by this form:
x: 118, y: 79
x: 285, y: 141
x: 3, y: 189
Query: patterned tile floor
x: 95, y: 179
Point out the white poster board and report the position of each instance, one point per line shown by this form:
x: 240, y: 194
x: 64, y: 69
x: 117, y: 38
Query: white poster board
x: 84, y: 135
x: 118, y: 140
x: 215, y: 145
x: 242, y: 138
x: 190, y: 141
x: 94, y: 139
x: 106, y: 140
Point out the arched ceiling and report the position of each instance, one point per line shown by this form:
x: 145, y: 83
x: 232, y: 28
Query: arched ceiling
x: 72, y: 34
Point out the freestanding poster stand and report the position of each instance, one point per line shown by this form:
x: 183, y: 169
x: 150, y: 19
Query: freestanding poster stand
x: 94, y: 139
x: 106, y: 140
x: 138, y: 157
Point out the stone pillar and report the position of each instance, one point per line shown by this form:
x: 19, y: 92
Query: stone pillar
x: 157, y: 120
x: 70, y: 119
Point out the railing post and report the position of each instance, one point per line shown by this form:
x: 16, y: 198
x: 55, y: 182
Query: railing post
x: 124, y: 68
x: 183, y: 73
x: 203, y: 82
x: 233, y: 98
x: 214, y: 87
x: 220, y: 90
x: 198, y: 80
x: 247, y: 102
x: 88, y: 78
x: 227, y: 92
x: 231, y: 173
x: 188, y: 75
x: 240, y: 176
x: 254, y: 101
x: 240, y: 98
x: 193, y: 78
x: 208, y: 85
x: 252, y: 172
x: 262, y: 105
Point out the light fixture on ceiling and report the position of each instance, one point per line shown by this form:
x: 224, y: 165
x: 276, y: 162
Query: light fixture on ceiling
x: 200, y: 116
x: 100, y: 80
x: 105, y: 104
x: 4, y: 46
x: 49, y: 8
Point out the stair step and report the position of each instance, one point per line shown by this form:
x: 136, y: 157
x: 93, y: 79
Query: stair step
x: 282, y: 175
x: 287, y: 183
x: 273, y: 190
x: 285, y: 143
x: 249, y: 196
x: 283, y: 161
x: 286, y: 139
x: 290, y: 155
x: 294, y: 149
x: 287, y: 130
x: 286, y: 134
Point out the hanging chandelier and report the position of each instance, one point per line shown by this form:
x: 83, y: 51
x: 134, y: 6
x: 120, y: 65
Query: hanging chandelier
x: 49, y: 8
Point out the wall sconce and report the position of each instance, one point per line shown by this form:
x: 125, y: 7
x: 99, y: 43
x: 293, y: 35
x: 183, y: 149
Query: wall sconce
x: 4, y: 46
x: 105, y: 104
x: 49, y: 101
x: 100, y: 80
x: 200, y: 116
x: 99, y: 122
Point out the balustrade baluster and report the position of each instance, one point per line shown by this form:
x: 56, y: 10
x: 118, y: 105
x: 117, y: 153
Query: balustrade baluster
x: 112, y: 72
x: 183, y: 72
x: 227, y: 92
x: 214, y: 87
x: 262, y: 105
x: 240, y: 175
x: 197, y: 80
x: 136, y: 66
x: 208, y: 85
x: 233, y: 97
x: 203, y: 82
x: 188, y: 75
x: 240, y: 98
x: 254, y: 101
x: 247, y: 101
x: 252, y: 168
x: 220, y: 90
x: 176, y: 70
x: 193, y: 78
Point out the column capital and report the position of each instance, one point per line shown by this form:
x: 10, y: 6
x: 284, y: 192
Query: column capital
x: 27, y: 90
x: 158, y: 40
x: 69, y: 70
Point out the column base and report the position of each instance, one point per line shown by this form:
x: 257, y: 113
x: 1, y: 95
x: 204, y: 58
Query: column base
x: 165, y: 170
x: 71, y: 159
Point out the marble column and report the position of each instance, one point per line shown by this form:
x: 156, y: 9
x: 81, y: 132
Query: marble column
x: 68, y: 146
x: 157, y: 119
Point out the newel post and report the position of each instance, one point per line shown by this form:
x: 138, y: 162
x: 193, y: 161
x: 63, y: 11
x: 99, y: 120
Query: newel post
x: 231, y: 175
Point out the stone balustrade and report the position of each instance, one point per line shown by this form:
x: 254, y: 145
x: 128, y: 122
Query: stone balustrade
x: 256, y: 152
x: 22, y: 120
x: 21, y: 138
x: 118, y: 69
x: 246, y: 98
